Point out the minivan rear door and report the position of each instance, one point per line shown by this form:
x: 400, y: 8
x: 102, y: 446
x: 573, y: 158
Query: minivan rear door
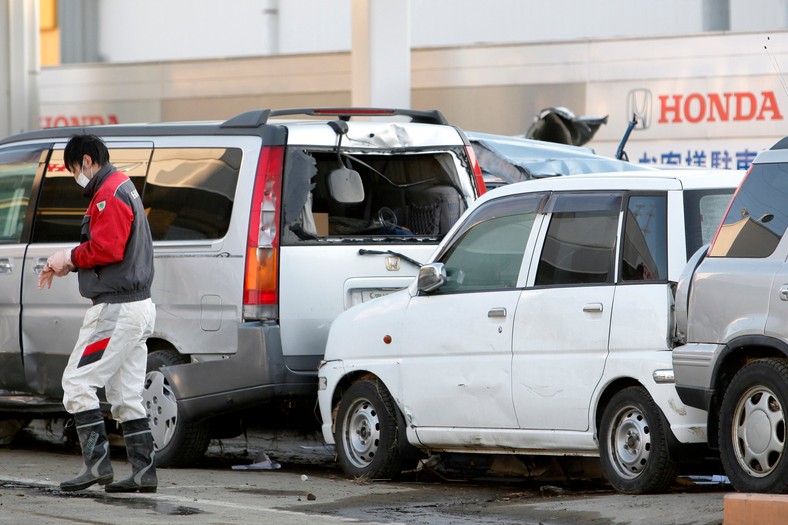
x: 338, y: 250
x: 20, y: 167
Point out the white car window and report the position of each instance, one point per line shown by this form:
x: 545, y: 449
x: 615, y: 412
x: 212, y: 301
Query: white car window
x: 645, y: 243
x: 581, y: 240
x: 488, y: 254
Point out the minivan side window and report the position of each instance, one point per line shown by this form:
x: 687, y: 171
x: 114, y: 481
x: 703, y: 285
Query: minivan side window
x: 757, y: 217
x: 61, y: 204
x: 581, y: 239
x: 644, y: 254
x: 18, y: 168
x: 488, y: 252
x: 189, y: 192
x: 703, y: 213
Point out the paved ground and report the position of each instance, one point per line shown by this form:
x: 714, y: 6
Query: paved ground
x: 308, y: 489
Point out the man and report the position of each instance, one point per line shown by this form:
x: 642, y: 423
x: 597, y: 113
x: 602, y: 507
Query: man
x: 114, y: 264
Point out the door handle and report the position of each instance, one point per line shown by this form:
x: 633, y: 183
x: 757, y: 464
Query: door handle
x: 497, y: 312
x: 593, y: 307
x: 784, y: 293
x: 6, y: 266
x: 39, y: 266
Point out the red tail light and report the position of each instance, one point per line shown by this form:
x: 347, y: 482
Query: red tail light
x: 481, y: 188
x: 262, y: 246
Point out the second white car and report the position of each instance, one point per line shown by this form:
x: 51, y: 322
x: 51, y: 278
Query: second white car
x: 542, y: 326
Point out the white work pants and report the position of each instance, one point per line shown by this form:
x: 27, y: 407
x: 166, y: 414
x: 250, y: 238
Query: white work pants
x: 110, y: 353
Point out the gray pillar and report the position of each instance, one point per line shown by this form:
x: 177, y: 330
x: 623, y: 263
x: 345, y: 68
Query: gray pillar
x: 20, y: 65
x: 380, y: 55
x: 78, y: 20
x: 716, y: 15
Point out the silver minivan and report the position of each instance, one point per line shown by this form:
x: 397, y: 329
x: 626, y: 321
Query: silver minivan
x: 732, y: 315
x: 264, y: 228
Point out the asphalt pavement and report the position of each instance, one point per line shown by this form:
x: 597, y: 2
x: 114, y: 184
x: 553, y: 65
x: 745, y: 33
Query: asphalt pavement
x: 308, y: 488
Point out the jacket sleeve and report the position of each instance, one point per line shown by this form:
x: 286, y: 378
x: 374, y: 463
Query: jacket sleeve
x: 109, y: 231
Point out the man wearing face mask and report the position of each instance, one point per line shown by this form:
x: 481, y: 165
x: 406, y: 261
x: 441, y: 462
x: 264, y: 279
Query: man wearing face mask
x: 114, y: 265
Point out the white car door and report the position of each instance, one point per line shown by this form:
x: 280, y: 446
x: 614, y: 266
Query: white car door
x: 563, y: 317
x: 456, y: 362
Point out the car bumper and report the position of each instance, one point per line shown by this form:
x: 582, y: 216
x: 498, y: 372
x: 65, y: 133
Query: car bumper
x: 256, y: 373
x: 693, y: 368
x: 329, y: 375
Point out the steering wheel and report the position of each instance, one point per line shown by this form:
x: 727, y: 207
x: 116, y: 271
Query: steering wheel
x: 387, y: 218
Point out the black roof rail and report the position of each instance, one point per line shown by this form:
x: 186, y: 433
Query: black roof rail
x: 250, y: 119
x: 258, y: 117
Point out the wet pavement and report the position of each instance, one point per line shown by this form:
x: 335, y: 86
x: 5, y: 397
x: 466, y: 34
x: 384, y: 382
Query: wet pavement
x: 309, y: 488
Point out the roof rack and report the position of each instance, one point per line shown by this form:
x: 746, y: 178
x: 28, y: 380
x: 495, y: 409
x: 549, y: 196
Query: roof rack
x: 259, y: 117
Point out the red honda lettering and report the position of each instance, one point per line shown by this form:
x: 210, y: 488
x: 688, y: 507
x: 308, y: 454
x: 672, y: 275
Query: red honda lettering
x: 741, y: 98
x: 715, y: 103
x: 769, y: 104
x: 665, y: 108
x: 695, y: 99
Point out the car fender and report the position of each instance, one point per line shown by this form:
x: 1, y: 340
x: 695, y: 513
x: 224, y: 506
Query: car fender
x: 652, y: 370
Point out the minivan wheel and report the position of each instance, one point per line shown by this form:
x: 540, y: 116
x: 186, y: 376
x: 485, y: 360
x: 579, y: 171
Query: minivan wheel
x: 177, y: 442
x: 633, y: 446
x: 752, y: 427
x: 367, y: 432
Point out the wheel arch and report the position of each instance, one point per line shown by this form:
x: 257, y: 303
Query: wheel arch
x: 155, y: 344
x: 607, y: 394
x: 736, y: 354
x: 344, y: 383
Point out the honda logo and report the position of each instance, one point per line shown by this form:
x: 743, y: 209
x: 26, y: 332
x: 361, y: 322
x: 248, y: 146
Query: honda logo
x: 639, y: 106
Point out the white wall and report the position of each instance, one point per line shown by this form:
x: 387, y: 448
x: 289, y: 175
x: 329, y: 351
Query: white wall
x: 759, y: 15
x: 155, y: 30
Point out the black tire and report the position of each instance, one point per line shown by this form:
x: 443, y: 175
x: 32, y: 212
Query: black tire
x: 752, y: 427
x: 633, y: 445
x: 178, y: 443
x: 367, y: 433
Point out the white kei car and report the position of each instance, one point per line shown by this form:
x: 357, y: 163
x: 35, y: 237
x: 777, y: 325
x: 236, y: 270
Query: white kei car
x: 543, y: 325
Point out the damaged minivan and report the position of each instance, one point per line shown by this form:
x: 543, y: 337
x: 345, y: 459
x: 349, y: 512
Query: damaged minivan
x: 265, y: 228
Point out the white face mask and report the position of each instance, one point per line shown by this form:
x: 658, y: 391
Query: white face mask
x: 82, y: 180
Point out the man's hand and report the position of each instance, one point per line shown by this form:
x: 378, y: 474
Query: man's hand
x: 60, y: 263
x: 45, y: 277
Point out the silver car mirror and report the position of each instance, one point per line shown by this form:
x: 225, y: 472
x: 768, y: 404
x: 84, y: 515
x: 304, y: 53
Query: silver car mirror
x: 431, y: 277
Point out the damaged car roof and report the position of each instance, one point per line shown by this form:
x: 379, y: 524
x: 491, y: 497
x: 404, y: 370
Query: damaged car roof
x: 506, y: 159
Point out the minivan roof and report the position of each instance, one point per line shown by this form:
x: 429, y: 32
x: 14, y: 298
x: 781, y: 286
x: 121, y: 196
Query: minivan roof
x: 678, y: 179
x: 254, y: 122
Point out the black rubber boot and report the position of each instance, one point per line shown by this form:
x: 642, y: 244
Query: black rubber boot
x: 96, y: 467
x: 139, y: 449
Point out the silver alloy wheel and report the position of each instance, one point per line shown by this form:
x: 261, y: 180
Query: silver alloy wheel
x: 161, y: 406
x: 361, y: 433
x: 758, y: 431
x: 630, y: 442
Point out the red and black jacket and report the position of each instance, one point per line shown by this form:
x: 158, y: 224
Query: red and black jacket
x: 115, y: 258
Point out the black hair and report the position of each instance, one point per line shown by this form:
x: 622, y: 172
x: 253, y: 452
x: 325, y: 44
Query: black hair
x: 80, y: 145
